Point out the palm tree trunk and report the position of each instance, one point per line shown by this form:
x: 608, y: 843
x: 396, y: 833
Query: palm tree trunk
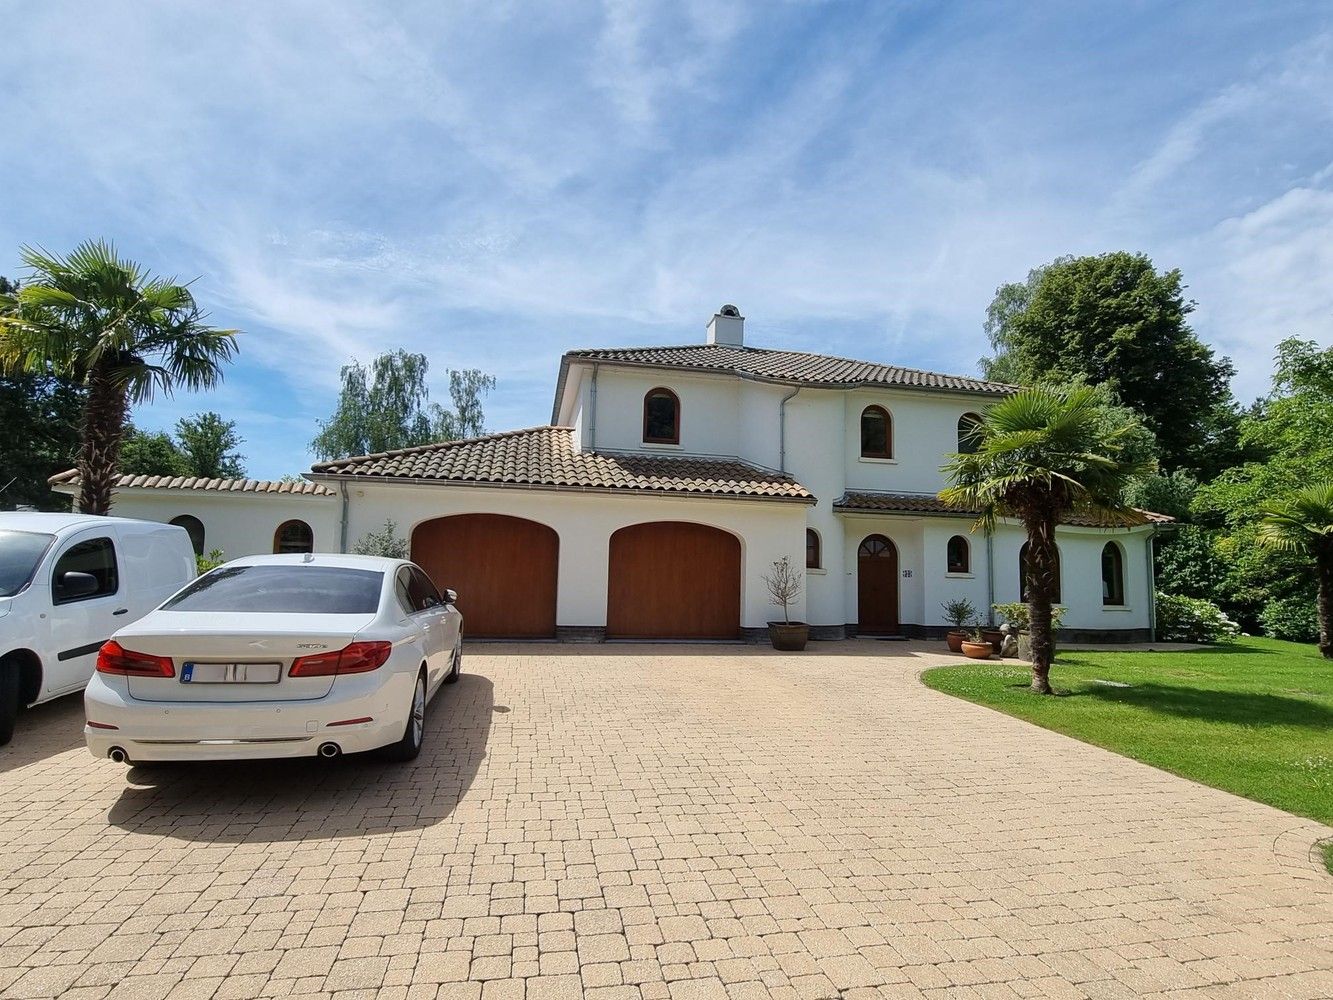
x: 1042, y: 557
x: 103, y: 429
x: 1324, y: 572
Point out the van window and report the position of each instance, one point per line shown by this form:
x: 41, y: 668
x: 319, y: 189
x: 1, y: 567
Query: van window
x: 20, y: 552
x: 97, y: 558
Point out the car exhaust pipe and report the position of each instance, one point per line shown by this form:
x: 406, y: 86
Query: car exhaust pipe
x: 118, y: 755
x: 329, y: 750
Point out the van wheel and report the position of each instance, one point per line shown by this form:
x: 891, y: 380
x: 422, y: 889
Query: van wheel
x: 9, y: 699
x: 410, y: 745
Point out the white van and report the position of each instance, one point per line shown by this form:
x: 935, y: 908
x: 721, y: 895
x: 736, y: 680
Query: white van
x: 67, y: 581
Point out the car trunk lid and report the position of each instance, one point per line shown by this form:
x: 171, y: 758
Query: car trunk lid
x: 235, y: 657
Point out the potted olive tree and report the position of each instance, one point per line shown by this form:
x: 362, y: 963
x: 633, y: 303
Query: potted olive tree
x: 784, y: 586
x: 958, y: 613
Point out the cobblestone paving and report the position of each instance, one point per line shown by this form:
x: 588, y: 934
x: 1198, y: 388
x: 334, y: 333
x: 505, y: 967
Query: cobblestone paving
x: 657, y: 823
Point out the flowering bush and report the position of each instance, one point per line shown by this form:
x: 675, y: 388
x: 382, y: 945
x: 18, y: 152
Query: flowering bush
x: 1192, y: 619
x: 1293, y: 618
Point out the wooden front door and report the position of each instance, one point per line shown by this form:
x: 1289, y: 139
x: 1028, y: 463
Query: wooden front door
x: 504, y: 569
x: 673, y: 580
x: 877, y: 587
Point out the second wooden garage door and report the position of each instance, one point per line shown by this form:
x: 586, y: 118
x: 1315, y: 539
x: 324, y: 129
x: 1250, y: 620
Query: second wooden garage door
x: 504, y: 569
x: 674, y: 580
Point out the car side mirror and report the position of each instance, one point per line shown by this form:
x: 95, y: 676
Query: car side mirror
x: 72, y: 584
x: 451, y: 596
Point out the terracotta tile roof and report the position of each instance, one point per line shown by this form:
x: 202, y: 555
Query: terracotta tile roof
x: 926, y: 503
x: 544, y: 457
x: 299, y: 488
x: 781, y: 366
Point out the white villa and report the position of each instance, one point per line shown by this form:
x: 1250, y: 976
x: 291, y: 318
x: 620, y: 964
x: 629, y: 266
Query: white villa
x: 668, y: 482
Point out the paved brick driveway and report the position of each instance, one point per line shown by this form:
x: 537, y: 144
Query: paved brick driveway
x: 670, y: 822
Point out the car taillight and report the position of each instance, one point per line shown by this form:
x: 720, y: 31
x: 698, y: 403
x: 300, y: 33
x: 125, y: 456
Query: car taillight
x: 358, y: 658
x: 113, y: 658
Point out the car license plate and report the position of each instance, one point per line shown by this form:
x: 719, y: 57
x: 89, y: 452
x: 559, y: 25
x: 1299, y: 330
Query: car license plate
x: 231, y: 673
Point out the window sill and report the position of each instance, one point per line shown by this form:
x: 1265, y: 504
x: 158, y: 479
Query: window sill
x: 816, y: 571
x: 877, y: 461
x: 662, y: 445
x: 1117, y: 607
x: 960, y: 576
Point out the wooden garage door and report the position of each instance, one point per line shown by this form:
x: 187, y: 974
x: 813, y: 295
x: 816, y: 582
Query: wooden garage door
x: 504, y: 569
x: 673, y: 580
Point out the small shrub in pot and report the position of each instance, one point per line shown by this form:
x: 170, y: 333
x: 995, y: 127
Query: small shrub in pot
x: 958, y: 613
x: 784, y: 586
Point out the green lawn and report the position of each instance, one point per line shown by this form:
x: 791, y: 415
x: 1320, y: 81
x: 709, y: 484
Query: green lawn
x: 1254, y: 718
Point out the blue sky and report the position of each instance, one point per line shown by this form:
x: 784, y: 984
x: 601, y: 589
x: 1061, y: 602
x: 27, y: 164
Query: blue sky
x: 495, y: 183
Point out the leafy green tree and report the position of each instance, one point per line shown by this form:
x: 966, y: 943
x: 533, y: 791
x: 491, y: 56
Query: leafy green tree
x: 105, y: 323
x: 388, y: 406
x: 1041, y: 455
x: 151, y: 453
x: 1290, y: 433
x: 1114, y: 319
x: 1303, y: 525
x: 209, y: 444
x: 39, y: 432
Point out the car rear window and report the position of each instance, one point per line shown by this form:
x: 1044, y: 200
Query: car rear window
x: 283, y: 590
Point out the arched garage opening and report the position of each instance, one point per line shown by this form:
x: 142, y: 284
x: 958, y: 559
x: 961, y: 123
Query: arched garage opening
x: 673, y: 580
x: 504, y: 569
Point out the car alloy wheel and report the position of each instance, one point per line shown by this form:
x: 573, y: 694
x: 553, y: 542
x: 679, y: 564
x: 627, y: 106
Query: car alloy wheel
x: 419, y: 712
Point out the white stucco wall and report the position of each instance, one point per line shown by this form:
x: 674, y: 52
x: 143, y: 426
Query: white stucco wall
x: 585, y: 522
x: 240, y: 524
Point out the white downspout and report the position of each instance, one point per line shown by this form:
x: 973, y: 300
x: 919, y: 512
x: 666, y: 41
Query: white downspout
x: 990, y: 578
x: 342, y: 525
x: 1150, y: 548
x: 592, y: 411
x: 782, y: 428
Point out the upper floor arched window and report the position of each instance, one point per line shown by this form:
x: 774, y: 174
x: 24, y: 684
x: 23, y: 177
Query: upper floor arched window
x: 969, y: 433
x: 876, y: 433
x: 661, y: 417
x: 959, y: 556
x: 812, y: 553
x: 1113, y: 575
x: 293, y: 536
x: 1023, y: 575
x: 194, y: 528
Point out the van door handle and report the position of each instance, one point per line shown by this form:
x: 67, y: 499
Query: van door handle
x: 121, y: 611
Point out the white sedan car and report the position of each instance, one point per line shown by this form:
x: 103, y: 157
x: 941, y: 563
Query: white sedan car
x: 278, y: 656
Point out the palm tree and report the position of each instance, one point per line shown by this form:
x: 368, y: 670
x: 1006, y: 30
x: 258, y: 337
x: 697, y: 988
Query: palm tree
x: 1304, y: 524
x: 124, y: 334
x: 1041, y: 455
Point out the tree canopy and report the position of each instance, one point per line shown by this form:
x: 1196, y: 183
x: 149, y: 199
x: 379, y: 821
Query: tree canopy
x: 1114, y: 319
x: 39, y: 432
x: 209, y: 445
x: 388, y: 406
x: 107, y: 324
x: 1290, y: 432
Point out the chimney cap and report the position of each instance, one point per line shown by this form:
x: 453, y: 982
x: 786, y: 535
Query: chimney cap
x: 729, y: 310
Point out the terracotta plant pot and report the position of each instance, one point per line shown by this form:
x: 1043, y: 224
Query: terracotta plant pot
x: 994, y: 636
x: 977, y: 650
x: 790, y: 637
x: 955, y: 641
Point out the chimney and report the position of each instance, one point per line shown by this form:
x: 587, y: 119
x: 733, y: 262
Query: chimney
x: 727, y: 327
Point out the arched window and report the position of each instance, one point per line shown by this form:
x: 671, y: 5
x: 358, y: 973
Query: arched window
x: 876, y: 433
x: 194, y: 528
x: 959, y: 557
x: 1113, y: 575
x: 293, y: 536
x: 661, y: 417
x: 969, y: 433
x: 1023, y: 574
x: 812, y: 553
